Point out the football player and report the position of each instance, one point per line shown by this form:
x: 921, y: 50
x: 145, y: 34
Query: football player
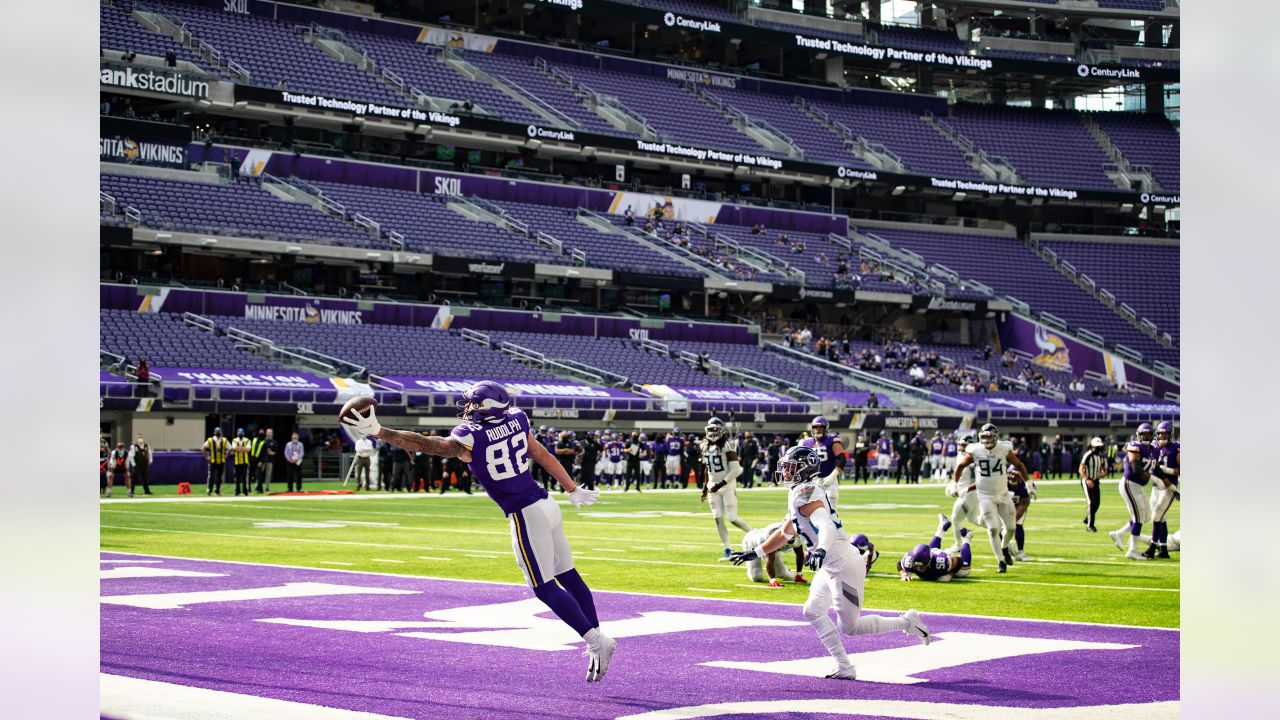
x: 1024, y: 491
x: 884, y: 457
x: 772, y: 564
x: 931, y: 562
x: 646, y: 459
x: 1165, y: 489
x: 675, y: 449
x: 720, y: 453
x: 659, y: 462
x: 936, y: 448
x: 840, y: 565
x: 990, y: 456
x: 494, y: 440
x: 950, y: 451
x: 1140, y: 460
x: 613, y: 460
x: 966, y: 505
x: 831, y: 456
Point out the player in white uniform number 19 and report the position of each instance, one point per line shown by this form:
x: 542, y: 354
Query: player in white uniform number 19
x: 989, y: 457
x: 720, y: 455
x: 840, y: 565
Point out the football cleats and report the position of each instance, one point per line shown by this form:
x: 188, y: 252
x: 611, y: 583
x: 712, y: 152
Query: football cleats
x: 818, y: 427
x: 989, y: 436
x: 1144, y: 432
x: 714, y: 429
x: 486, y: 401
x: 868, y: 548
x: 799, y: 465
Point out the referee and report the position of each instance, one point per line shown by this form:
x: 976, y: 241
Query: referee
x: 215, y: 452
x: 1093, y: 467
x: 240, y: 449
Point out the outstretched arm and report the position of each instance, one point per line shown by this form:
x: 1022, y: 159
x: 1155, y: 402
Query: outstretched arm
x: 543, y: 457
x: 417, y: 442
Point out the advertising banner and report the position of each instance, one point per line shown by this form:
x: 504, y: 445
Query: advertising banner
x: 500, y: 268
x: 264, y: 380
x: 151, y: 79
x: 143, y: 143
x: 725, y: 394
x: 518, y: 388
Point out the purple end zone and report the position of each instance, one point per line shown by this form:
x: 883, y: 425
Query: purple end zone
x: 223, y: 644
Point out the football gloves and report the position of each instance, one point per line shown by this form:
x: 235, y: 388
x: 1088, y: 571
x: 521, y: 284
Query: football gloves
x: 743, y: 556
x: 814, y: 558
x: 775, y: 583
x: 582, y: 496
x: 366, y: 424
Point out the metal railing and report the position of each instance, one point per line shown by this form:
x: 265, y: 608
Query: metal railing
x: 199, y: 321
x: 476, y: 337
x: 882, y: 383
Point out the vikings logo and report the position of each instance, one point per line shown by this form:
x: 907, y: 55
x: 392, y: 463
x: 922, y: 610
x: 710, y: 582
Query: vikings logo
x: 1053, y: 351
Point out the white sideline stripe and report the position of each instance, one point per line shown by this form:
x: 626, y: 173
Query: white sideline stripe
x: 123, y: 573
x: 604, y: 559
x: 972, y: 579
x: 428, y: 557
x: 132, y: 562
x: 714, y: 590
x: 915, y: 710
x: 336, y: 562
x: 126, y: 698
x: 178, y: 600
x: 622, y: 592
x: 398, y: 562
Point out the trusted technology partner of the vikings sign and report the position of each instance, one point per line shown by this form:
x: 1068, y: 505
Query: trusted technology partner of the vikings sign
x: 889, y: 53
x: 702, y: 153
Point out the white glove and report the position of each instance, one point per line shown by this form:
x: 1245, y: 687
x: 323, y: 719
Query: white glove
x: 944, y: 578
x: 952, y: 489
x: 582, y: 496
x: 367, y: 424
x: 1031, y: 490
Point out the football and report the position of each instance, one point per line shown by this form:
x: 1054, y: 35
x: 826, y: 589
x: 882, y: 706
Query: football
x: 356, y: 404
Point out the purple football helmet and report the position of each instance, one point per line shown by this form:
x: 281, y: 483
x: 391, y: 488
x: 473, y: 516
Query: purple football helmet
x: 486, y: 401
x: 818, y: 426
x: 1144, y: 432
x: 918, y: 559
x: 1164, y: 431
x: 864, y: 544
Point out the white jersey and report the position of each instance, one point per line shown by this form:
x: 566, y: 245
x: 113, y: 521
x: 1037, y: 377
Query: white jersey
x: 841, y: 552
x: 990, y: 466
x: 715, y: 455
x: 756, y: 538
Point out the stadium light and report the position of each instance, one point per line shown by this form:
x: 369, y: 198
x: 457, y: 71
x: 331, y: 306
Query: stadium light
x: 899, y: 190
x: 958, y: 197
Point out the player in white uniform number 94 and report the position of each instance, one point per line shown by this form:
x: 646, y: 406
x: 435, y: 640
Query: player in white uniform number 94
x: 990, y: 458
x: 840, y: 565
x: 720, y: 455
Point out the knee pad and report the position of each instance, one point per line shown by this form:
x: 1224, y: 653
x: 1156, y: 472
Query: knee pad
x: 812, y: 613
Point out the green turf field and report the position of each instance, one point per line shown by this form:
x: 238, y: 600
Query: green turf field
x: 666, y: 543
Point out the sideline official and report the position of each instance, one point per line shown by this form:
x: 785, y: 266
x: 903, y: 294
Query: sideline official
x: 1093, y: 467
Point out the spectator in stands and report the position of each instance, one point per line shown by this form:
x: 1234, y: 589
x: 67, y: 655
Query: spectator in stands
x: 630, y: 216
x: 140, y: 458
x: 170, y: 58
x: 1008, y: 359
x: 757, y: 229
x: 873, y: 401
x: 143, y: 373
x: 798, y: 248
x: 783, y: 240
x: 293, y: 454
x: 364, y: 460
x: 129, y: 56
x: 704, y: 363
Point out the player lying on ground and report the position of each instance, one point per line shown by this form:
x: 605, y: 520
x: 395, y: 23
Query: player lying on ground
x: 494, y: 440
x: 720, y: 453
x: 840, y: 565
x: 772, y: 564
x: 991, y: 457
x: 931, y: 562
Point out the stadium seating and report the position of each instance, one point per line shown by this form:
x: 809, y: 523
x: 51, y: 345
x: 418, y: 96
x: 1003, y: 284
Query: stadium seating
x: 617, y: 355
x: 118, y: 32
x: 1146, y: 139
x: 430, y: 226
x: 521, y: 72
x: 274, y: 55
x: 921, y: 39
x: 1143, y: 276
x: 920, y: 147
x: 240, y: 208
x: 818, y: 143
x: 1044, y: 146
x: 166, y: 341
x: 1012, y: 268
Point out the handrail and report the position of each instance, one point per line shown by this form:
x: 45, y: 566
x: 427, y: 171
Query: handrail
x: 106, y: 202
x: 554, y: 243
x: 873, y: 379
x: 369, y: 225
x: 841, y: 240
x: 310, y: 354
x: 200, y: 321
x: 1091, y: 336
x: 115, y: 359
x: 396, y: 238
x: 662, y: 349
x: 476, y: 337
x: 132, y: 213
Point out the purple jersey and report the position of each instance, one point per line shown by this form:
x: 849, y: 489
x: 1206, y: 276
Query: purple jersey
x: 1167, y: 455
x: 659, y: 449
x: 647, y: 452
x: 884, y: 446
x: 935, y: 446
x: 614, y: 451
x: 675, y: 447
x: 500, y: 460
x: 952, y: 448
x: 825, y: 453
x: 1148, y: 453
x: 939, y: 564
